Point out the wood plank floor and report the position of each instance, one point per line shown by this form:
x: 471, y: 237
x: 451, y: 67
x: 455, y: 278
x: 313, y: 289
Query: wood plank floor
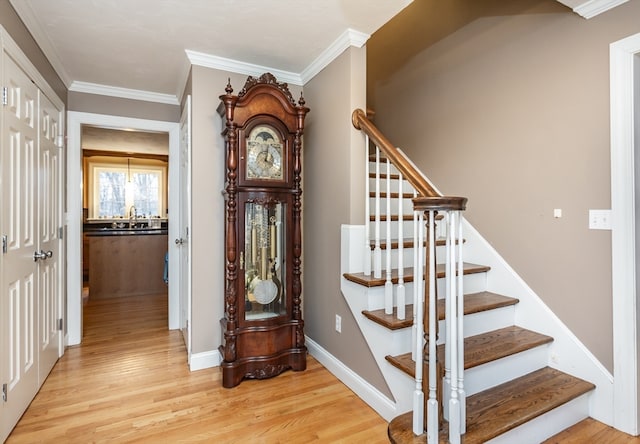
x: 129, y: 382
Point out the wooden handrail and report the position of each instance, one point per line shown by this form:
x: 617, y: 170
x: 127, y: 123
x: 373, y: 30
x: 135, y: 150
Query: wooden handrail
x: 360, y: 121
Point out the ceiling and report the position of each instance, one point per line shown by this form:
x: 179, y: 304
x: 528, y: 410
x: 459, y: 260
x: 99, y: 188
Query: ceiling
x: 150, y: 46
x: 144, y: 51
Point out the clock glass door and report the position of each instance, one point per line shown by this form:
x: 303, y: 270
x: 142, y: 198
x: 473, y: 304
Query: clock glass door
x: 264, y: 265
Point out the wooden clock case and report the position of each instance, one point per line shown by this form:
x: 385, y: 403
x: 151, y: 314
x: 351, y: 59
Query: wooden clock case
x: 258, y: 346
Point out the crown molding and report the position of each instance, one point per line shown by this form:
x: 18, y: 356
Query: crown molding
x: 350, y: 37
x: 595, y: 7
x: 123, y: 93
x: 28, y: 17
x: 222, y: 63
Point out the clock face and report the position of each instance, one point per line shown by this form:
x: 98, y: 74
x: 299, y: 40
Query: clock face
x: 264, y: 154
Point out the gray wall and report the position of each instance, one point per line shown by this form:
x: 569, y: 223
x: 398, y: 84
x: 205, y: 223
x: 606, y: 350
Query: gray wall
x: 333, y: 174
x: 208, y: 211
x: 116, y: 106
x: 512, y: 111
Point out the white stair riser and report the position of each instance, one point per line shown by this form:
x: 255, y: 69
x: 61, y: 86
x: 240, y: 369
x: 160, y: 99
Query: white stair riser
x: 407, y: 205
x: 473, y: 283
x: 407, y: 257
x: 406, y: 186
x: 383, y: 167
x: 547, y: 425
x: 493, y: 373
x: 486, y: 321
x: 407, y: 228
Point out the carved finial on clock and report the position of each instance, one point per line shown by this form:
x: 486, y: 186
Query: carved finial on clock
x: 301, y: 102
x: 267, y: 79
x: 229, y: 89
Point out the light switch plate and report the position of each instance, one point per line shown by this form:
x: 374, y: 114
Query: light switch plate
x: 599, y: 219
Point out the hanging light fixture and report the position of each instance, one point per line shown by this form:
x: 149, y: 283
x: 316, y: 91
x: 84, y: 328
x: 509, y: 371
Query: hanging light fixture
x: 129, y: 188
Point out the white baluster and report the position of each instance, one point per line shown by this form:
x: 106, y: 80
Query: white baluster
x: 401, y: 298
x: 377, y: 252
x: 452, y: 324
x: 460, y: 300
x: 388, y: 285
x: 367, y: 211
x: 432, y: 405
x: 417, y: 248
x: 418, y: 395
x: 446, y: 384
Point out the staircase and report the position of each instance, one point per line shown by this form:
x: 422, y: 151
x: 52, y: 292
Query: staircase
x: 513, y: 393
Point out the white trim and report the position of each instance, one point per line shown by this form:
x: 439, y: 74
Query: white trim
x: 595, y: 7
x: 623, y: 261
x: 208, y: 359
x: 124, y: 93
x: 224, y: 64
x: 350, y: 37
x: 29, y: 18
x: 74, y: 208
x: 365, y: 391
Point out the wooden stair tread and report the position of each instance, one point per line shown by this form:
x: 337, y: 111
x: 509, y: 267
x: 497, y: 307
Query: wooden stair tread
x: 394, y: 195
x: 394, y: 217
x: 473, y: 303
x: 504, y: 407
x: 407, y: 243
x: 370, y: 281
x: 483, y: 348
x: 384, y: 176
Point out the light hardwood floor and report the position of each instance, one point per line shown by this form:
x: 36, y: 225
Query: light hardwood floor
x: 129, y: 382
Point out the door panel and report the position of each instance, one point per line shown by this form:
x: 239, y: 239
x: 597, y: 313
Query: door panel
x: 184, y: 220
x: 19, y: 163
x: 50, y: 220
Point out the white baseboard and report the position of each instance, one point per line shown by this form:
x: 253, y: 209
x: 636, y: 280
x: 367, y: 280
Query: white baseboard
x: 208, y: 359
x: 384, y: 406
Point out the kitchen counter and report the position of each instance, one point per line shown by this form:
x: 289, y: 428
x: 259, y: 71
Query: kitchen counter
x: 125, y: 232
x: 126, y: 262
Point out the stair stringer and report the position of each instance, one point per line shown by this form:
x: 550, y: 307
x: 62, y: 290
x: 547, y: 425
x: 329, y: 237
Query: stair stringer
x: 567, y: 353
x: 360, y: 298
x: 381, y: 342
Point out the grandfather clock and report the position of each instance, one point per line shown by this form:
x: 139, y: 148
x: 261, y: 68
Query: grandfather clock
x: 262, y: 327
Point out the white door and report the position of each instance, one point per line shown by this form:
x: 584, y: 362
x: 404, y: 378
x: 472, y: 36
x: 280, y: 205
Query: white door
x: 50, y: 221
x: 18, y: 222
x: 184, y: 221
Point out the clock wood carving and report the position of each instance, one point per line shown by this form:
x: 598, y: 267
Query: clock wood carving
x: 263, y: 327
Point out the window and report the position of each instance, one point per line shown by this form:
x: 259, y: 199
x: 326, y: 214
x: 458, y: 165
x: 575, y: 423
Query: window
x: 116, y: 188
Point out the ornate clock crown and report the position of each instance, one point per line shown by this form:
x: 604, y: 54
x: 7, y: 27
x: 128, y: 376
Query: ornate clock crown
x: 269, y: 79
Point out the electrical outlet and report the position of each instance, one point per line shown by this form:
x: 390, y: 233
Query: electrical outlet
x: 339, y: 323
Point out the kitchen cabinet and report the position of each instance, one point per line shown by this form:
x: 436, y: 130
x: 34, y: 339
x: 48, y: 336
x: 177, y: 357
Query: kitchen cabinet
x: 126, y: 262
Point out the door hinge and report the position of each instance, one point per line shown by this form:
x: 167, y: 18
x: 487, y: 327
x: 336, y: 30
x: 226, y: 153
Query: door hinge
x: 5, y: 96
x: 4, y: 244
x: 61, y: 233
x: 4, y: 392
x: 60, y: 324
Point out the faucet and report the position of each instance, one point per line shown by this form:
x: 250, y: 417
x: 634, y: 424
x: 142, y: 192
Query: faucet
x: 133, y: 216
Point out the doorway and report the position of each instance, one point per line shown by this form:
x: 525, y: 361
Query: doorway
x: 625, y: 234
x: 74, y: 216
